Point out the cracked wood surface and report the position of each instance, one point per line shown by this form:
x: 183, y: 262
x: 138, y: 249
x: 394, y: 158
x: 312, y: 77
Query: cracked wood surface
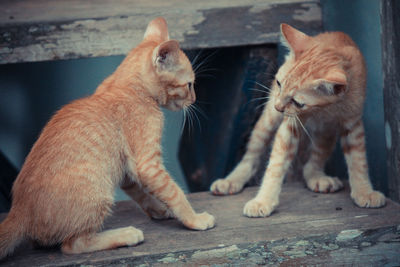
x: 37, y: 30
x: 305, y: 225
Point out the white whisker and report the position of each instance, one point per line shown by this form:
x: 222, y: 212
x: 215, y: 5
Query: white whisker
x: 205, y: 70
x: 199, y: 110
x: 195, y: 116
x: 263, y: 86
x: 263, y: 104
x: 258, y: 99
x: 184, y: 120
x: 304, y: 128
x: 196, y: 68
x: 258, y: 90
x: 194, y: 61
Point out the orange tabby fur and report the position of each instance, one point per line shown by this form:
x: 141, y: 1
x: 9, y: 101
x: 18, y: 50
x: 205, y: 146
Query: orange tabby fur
x: 322, y: 85
x: 65, y: 188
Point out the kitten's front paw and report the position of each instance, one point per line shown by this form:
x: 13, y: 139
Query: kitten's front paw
x: 324, y: 184
x: 202, y: 221
x: 225, y: 187
x: 372, y: 199
x: 131, y: 236
x: 256, y: 208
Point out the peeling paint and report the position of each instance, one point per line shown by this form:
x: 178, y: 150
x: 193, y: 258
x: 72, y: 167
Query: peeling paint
x: 346, y: 235
x: 200, y: 26
x: 215, y: 253
x: 311, y: 12
x: 361, y: 216
x: 319, y: 223
x: 288, y: 252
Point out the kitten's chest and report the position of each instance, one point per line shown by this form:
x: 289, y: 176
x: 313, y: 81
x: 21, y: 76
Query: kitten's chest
x: 322, y: 123
x: 142, y: 119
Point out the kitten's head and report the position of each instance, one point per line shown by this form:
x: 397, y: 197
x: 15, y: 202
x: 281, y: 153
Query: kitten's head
x: 312, y: 75
x: 174, y: 77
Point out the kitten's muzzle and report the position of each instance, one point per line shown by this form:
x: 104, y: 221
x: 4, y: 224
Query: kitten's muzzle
x: 280, y: 108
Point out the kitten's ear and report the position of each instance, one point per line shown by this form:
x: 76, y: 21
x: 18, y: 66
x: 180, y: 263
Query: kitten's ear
x: 334, y: 83
x: 166, y: 55
x: 157, y: 30
x: 293, y: 39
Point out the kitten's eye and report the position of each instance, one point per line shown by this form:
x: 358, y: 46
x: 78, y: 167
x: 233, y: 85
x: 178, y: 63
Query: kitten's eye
x: 297, y: 104
x: 189, y: 85
x: 278, y: 83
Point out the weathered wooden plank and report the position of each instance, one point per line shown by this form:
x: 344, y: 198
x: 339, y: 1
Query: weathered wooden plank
x: 307, y: 228
x: 36, y: 30
x: 391, y: 73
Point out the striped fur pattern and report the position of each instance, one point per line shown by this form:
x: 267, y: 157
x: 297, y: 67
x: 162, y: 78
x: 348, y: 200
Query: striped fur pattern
x: 320, y: 91
x: 111, y: 138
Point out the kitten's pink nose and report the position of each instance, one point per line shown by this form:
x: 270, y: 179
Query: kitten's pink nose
x: 279, y: 107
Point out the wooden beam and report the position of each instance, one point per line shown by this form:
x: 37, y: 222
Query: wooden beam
x: 36, y: 30
x: 306, y: 229
x: 390, y: 10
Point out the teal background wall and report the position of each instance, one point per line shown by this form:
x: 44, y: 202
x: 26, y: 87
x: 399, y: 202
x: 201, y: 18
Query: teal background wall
x: 31, y: 92
x: 361, y: 20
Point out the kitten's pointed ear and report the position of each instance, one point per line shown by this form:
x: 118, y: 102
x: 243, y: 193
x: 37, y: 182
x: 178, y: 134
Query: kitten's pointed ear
x: 294, y: 39
x: 157, y: 30
x: 166, y: 55
x: 334, y: 83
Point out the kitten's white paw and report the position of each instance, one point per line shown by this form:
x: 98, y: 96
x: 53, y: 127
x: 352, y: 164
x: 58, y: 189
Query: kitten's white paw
x: 256, y: 208
x: 201, y: 221
x: 374, y: 199
x: 324, y: 184
x: 225, y: 187
x: 130, y: 236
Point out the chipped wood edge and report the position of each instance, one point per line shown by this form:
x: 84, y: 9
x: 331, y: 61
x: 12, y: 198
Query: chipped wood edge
x: 194, y: 29
x: 347, y: 247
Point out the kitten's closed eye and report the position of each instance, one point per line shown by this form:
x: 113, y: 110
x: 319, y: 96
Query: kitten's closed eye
x: 278, y: 83
x: 297, y: 104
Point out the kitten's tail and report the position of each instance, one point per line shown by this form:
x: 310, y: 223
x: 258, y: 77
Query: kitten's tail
x: 11, y: 234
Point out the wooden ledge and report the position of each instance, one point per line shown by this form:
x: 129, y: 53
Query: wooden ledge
x: 37, y: 30
x: 307, y: 228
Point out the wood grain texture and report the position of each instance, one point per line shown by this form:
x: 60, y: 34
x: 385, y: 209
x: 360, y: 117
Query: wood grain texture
x: 306, y: 228
x: 36, y: 30
x: 391, y: 74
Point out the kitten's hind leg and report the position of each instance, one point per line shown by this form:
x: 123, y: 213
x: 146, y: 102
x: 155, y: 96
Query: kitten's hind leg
x: 353, y: 145
x: 110, y: 239
x: 150, y: 205
x: 313, y: 172
x: 247, y: 167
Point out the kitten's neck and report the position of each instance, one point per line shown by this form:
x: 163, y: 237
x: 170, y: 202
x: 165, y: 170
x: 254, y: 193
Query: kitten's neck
x: 129, y: 91
x: 134, y: 78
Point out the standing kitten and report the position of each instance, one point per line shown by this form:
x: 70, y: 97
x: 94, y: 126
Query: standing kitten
x: 322, y: 83
x: 66, y: 185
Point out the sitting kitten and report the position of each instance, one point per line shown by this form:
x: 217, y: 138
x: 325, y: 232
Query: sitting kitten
x: 322, y: 83
x: 66, y: 186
